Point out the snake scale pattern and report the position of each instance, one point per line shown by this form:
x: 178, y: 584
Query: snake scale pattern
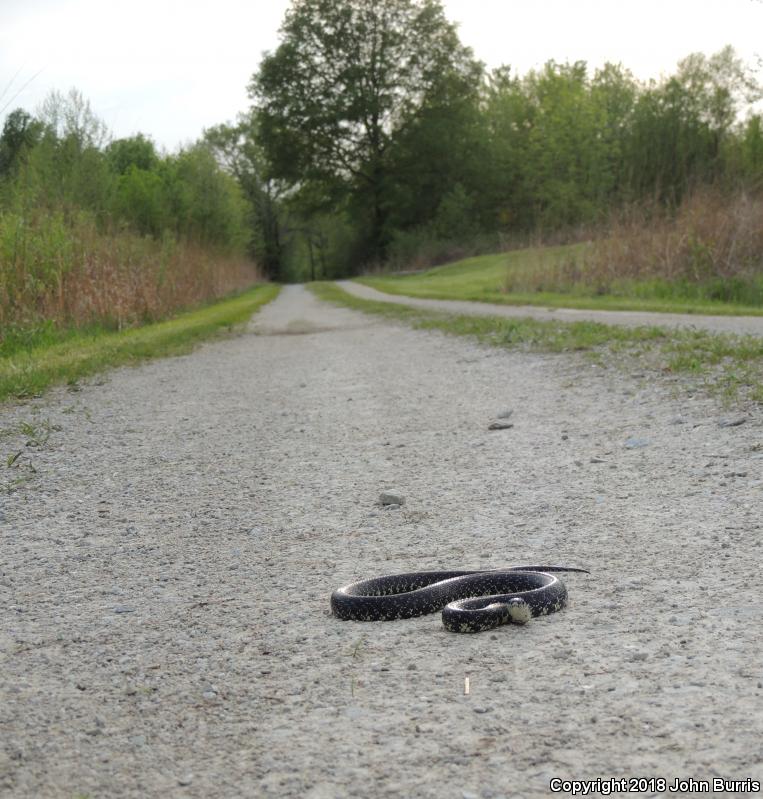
x: 471, y: 601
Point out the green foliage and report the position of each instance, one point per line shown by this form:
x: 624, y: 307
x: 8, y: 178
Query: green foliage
x: 376, y: 112
x: 141, y: 200
x: 206, y: 203
x: 343, y: 86
x: 21, y: 132
x: 61, y: 163
x: 136, y: 151
x: 112, y: 233
x: 237, y: 148
x: 747, y: 151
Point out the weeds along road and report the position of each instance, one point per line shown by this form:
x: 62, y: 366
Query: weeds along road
x: 739, y: 325
x: 167, y: 567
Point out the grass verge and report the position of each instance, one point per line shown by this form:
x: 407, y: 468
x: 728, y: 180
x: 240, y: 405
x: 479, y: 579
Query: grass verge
x: 27, y: 372
x: 725, y: 364
x: 485, y: 278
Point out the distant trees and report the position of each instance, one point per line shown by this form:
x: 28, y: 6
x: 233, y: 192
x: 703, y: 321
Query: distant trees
x: 63, y: 161
x: 683, y: 129
x: 375, y: 135
x: 21, y: 132
x: 347, y: 83
x: 111, y: 232
x: 238, y: 149
x: 374, y: 131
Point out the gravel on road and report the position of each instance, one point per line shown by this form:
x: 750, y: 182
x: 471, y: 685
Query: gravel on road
x: 172, y: 533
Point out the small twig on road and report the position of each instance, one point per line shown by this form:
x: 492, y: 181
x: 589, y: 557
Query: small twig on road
x: 204, y: 602
x: 359, y: 643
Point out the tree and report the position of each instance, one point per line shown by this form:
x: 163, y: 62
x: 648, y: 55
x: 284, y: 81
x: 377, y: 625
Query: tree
x: 347, y: 80
x: 237, y: 149
x: 138, y: 151
x: 71, y: 117
x: 21, y: 132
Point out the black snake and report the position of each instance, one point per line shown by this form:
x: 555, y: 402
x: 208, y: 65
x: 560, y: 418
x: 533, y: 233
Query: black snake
x: 471, y: 601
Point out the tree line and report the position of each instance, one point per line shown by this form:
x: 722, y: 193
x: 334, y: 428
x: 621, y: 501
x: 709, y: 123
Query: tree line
x: 374, y: 132
x: 374, y: 135
x: 62, y: 160
x: 111, y: 232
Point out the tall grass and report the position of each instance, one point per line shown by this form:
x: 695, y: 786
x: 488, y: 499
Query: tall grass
x: 712, y: 246
x: 69, y: 273
x: 29, y: 370
x: 709, y: 248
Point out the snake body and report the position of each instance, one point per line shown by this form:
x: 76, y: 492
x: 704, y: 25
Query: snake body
x: 471, y: 601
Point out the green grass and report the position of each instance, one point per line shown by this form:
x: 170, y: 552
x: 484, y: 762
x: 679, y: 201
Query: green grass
x: 47, y: 357
x: 724, y: 364
x: 484, y: 278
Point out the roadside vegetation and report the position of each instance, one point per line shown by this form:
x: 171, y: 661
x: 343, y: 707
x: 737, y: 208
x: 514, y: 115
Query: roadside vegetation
x: 424, y: 158
x: 376, y: 141
x: 68, y: 356
x: 112, y: 233
x: 727, y: 365
x: 578, y: 276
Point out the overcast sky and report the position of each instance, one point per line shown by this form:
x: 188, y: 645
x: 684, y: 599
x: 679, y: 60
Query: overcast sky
x: 169, y: 68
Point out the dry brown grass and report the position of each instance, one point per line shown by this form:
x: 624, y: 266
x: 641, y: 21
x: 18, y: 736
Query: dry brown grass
x: 72, y: 274
x: 712, y: 235
x: 710, y: 247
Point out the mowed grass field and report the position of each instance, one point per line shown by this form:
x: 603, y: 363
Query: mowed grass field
x: 488, y: 278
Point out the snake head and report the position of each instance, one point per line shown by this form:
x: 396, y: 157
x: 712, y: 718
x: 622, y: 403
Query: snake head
x: 519, y: 611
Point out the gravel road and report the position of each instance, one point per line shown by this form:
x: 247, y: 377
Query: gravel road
x: 167, y: 564
x: 739, y: 325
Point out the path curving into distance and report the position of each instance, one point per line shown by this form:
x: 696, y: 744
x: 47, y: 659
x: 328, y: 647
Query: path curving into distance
x: 170, y: 551
x: 740, y: 325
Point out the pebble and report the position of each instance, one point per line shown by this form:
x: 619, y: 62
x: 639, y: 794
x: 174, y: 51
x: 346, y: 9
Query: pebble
x: 124, y: 609
x: 598, y: 460
x: 504, y: 414
x: 482, y: 709
x: 637, y: 657
x: 391, y: 498
x: 637, y: 443
x: 500, y: 424
x: 735, y: 422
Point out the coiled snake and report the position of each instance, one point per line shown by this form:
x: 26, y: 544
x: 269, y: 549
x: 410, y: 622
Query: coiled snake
x: 471, y: 601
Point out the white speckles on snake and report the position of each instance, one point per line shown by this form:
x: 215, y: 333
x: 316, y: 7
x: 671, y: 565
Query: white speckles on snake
x: 470, y: 601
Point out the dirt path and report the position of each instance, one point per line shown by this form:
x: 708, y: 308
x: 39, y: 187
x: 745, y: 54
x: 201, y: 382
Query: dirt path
x: 751, y: 325
x: 166, y: 572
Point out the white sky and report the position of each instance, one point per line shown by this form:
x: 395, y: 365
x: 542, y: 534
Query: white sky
x: 169, y: 68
